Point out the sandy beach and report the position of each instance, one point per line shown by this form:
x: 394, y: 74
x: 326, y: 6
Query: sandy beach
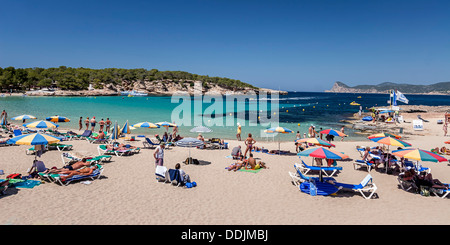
x: 128, y: 193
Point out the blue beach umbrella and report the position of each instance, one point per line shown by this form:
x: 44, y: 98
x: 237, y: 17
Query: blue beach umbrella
x: 41, y: 124
x: 34, y: 139
x: 57, y: 119
x: 23, y: 117
x: 115, y: 131
x: 126, y: 128
x: 145, y: 125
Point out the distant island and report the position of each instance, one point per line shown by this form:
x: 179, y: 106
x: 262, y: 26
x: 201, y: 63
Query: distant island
x: 442, y: 88
x: 68, y: 81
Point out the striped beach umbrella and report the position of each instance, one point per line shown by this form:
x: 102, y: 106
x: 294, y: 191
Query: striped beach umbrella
x: 145, y: 125
x: 40, y: 124
x: 390, y: 141
x: 115, y: 131
x: 23, y: 117
x: 333, y: 132
x: 34, y: 139
x: 315, y: 141
x: 57, y: 119
x: 380, y: 135
x: 420, y: 155
x: 126, y: 128
x: 189, y: 142
x: 321, y: 152
x: 166, y: 124
x: 200, y: 129
x: 278, y: 130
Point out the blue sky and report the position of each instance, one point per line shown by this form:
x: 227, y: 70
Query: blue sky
x: 291, y: 45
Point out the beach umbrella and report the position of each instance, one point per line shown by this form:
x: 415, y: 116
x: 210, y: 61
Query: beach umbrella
x: 316, y: 141
x: 167, y: 125
x: 333, y: 132
x: 189, y: 142
x: 41, y: 124
x: 23, y: 117
x: 34, y: 139
x: 278, y: 130
x: 57, y: 119
x: 115, y: 131
x: 390, y: 141
x: 380, y: 135
x: 126, y: 128
x: 420, y: 155
x: 201, y: 129
x: 145, y: 125
x: 321, y: 152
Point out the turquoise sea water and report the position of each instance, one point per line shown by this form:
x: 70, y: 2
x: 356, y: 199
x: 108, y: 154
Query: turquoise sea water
x: 297, y: 111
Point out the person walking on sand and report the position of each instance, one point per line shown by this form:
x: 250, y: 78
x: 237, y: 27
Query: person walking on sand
x: 86, y: 122
x: 445, y: 128
x: 93, y: 122
x: 238, y: 135
x: 342, y: 131
x: 80, y: 123
x: 159, y: 155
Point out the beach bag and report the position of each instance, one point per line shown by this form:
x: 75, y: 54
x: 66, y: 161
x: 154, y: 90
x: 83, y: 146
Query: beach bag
x: 14, y: 176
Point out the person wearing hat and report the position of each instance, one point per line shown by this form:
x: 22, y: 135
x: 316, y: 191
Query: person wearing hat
x: 159, y: 154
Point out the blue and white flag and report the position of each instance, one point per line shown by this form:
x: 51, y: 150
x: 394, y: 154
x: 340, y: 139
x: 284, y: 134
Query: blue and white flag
x: 401, y: 97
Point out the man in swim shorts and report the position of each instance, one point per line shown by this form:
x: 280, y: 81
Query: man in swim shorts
x: 93, y: 122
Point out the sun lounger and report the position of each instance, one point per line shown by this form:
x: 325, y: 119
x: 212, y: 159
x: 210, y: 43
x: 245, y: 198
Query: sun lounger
x: 407, y: 185
x: 306, y: 168
x: 85, y: 135
x: 440, y: 192
x: 148, y: 143
x: 303, y: 177
x: 322, y: 188
x: 366, y: 185
x: 68, y: 158
x: 102, y: 150
x: 60, y: 147
x: 32, y: 150
x: 417, y: 167
x: 362, y: 163
x: 95, y: 175
x: 162, y: 175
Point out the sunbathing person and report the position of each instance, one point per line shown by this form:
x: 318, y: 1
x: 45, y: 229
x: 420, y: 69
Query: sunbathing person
x: 236, y: 166
x: 278, y: 152
x: 367, y: 157
x: 73, y: 167
x: 253, y: 164
x: 119, y: 147
x: 236, y: 153
x: 84, y: 171
x: 424, y: 179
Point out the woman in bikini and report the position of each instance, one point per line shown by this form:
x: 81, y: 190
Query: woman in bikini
x: 249, y: 142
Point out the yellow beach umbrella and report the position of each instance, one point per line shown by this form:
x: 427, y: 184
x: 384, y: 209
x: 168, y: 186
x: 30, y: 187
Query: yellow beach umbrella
x: 34, y: 139
x: 41, y: 124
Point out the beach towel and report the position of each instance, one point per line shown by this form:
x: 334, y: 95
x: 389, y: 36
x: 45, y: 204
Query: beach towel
x: 19, y: 183
x: 250, y: 170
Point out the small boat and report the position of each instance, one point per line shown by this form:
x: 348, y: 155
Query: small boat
x: 354, y: 103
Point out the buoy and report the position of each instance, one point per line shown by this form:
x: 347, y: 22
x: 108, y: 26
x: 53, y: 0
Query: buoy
x: 298, y: 124
x: 303, y: 109
x: 314, y: 106
x: 287, y: 110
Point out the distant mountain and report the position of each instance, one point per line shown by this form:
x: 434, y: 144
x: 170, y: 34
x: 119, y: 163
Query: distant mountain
x: 437, y: 88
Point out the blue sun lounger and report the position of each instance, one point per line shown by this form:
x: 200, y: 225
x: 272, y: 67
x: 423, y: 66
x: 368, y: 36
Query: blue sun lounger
x: 362, y: 163
x: 366, y: 185
x: 148, y: 143
x: 299, y: 177
x: 306, y: 168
